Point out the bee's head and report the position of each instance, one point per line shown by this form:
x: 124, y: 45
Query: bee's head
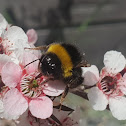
x: 50, y: 65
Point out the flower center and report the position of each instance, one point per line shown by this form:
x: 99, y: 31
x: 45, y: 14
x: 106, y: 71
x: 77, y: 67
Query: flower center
x: 108, y: 84
x: 30, y: 86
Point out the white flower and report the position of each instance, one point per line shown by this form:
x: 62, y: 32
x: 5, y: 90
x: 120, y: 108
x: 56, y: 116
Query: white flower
x: 13, y: 42
x: 110, y: 86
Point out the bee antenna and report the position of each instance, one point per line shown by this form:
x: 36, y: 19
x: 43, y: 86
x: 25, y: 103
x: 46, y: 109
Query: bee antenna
x: 31, y: 62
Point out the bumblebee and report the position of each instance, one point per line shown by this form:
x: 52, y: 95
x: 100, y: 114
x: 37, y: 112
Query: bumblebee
x: 62, y: 62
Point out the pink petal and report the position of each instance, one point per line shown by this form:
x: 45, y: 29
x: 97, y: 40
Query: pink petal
x: 3, y: 60
x: 123, y: 89
x: 117, y: 106
x: 18, y: 48
x: 3, y: 22
x: 91, y: 75
x: 36, y: 52
x: 97, y: 99
x: 122, y: 84
x: 41, y: 107
x: 54, y: 88
x: 14, y: 103
x: 28, y: 58
x: 11, y: 74
x: 32, y: 36
x: 103, y: 73
x: 114, y: 61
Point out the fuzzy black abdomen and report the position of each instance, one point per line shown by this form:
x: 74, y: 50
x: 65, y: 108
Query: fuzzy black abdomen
x: 73, y: 52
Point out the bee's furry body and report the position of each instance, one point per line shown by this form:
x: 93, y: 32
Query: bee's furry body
x: 60, y: 61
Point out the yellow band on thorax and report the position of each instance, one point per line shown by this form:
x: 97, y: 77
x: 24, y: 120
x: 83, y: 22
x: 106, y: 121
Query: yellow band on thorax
x: 64, y: 57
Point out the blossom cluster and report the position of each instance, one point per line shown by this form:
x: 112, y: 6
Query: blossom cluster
x: 22, y: 92
x: 25, y: 99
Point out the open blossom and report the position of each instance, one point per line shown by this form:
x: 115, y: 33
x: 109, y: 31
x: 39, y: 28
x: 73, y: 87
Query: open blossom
x: 110, y: 85
x: 13, y: 41
x: 26, y: 91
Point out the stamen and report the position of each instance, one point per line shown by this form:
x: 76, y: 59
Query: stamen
x: 30, y: 86
x: 108, y: 84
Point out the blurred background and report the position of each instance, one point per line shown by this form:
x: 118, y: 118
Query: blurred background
x: 94, y: 26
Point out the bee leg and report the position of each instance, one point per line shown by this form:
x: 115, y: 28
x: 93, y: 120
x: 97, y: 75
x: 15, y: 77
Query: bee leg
x: 38, y: 76
x: 64, y: 95
x: 38, y: 48
x: 48, y: 79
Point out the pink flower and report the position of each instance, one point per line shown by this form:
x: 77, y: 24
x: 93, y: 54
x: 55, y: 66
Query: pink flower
x: 25, y: 90
x: 110, y: 85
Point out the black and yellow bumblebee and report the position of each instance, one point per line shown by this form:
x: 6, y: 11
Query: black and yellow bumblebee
x: 62, y: 62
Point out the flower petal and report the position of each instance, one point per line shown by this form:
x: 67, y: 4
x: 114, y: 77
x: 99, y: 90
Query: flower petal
x: 28, y: 58
x: 91, y: 75
x: 3, y: 22
x: 11, y: 74
x: 1, y: 106
x: 19, y: 48
x: 35, y: 52
x: 14, y: 104
x: 122, y: 84
x: 114, y: 61
x: 41, y: 107
x: 117, y: 106
x: 3, y: 60
x: 97, y: 99
x: 32, y: 36
x: 16, y: 33
x: 54, y: 88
